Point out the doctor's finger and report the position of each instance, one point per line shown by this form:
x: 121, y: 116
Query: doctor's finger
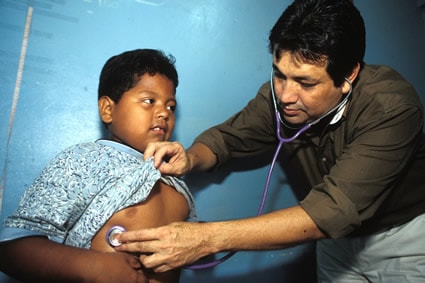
x: 138, y: 235
x: 137, y: 247
x: 151, y: 149
x: 164, y: 151
x: 155, y: 262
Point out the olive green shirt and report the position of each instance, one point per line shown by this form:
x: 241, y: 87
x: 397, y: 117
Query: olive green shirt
x: 362, y: 174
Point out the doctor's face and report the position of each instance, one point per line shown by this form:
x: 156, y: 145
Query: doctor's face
x: 303, y: 89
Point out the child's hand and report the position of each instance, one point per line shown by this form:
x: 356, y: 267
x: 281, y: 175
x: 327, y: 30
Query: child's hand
x: 115, y: 267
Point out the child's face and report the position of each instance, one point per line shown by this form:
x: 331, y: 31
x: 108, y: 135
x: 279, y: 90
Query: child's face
x: 144, y: 114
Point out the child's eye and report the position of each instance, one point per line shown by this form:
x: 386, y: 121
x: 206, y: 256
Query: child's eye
x: 172, y: 108
x: 148, y: 100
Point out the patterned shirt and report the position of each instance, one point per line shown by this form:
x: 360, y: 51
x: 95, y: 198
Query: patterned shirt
x: 81, y: 188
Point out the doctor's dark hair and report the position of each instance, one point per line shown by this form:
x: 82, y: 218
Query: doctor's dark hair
x: 313, y: 29
x: 123, y: 71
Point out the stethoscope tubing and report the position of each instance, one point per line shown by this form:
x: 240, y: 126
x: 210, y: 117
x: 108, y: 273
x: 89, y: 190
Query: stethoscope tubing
x: 265, y: 190
x: 276, y: 154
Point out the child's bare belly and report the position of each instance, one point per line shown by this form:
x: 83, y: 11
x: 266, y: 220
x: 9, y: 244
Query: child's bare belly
x: 164, y: 205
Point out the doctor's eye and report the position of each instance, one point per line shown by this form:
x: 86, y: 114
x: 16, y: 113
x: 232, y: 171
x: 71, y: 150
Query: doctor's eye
x: 278, y: 75
x: 306, y: 85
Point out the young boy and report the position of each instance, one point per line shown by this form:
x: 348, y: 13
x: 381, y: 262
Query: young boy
x: 89, y: 188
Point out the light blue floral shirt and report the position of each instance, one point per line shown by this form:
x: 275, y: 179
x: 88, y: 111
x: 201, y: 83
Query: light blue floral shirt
x: 81, y: 188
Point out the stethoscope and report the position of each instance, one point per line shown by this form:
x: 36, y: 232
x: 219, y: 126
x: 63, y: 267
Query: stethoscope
x: 301, y: 130
x: 111, y: 233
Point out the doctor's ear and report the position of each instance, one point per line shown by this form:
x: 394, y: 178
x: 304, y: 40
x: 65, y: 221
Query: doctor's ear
x: 106, y: 108
x: 350, y: 78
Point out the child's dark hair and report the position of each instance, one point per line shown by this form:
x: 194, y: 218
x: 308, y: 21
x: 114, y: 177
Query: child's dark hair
x: 122, y: 72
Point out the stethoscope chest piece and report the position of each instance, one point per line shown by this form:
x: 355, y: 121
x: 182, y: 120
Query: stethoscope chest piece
x: 111, y: 235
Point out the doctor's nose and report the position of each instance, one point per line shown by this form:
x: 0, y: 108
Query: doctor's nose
x: 285, y: 93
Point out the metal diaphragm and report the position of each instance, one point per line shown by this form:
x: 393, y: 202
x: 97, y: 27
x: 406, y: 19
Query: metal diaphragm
x: 111, y: 235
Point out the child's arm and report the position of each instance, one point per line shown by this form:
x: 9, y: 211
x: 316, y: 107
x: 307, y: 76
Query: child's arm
x: 38, y: 259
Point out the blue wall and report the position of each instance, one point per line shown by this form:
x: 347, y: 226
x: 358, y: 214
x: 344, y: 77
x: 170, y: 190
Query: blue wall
x: 222, y: 58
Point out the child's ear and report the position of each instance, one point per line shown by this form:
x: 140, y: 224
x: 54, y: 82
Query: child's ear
x: 106, y: 107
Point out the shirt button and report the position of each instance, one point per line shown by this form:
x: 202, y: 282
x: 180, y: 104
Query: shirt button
x: 323, y: 159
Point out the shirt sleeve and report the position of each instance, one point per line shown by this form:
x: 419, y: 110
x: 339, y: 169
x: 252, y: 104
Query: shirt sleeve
x: 37, y: 213
x: 380, y: 146
x: 247, y: 133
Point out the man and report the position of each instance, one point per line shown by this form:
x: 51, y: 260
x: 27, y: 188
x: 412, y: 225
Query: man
x: 363, y: 158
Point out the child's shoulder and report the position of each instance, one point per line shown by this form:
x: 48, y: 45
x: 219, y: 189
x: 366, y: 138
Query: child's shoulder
x: 82, y: 148
x: 81, y: 151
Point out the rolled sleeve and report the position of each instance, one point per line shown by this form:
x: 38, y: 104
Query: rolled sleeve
x: 366, y: 174
x: 249, y: 132
x: 332, y: 211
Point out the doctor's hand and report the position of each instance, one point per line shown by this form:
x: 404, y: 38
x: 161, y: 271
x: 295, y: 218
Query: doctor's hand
x: 169, y: 157
x: 168, y: 247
